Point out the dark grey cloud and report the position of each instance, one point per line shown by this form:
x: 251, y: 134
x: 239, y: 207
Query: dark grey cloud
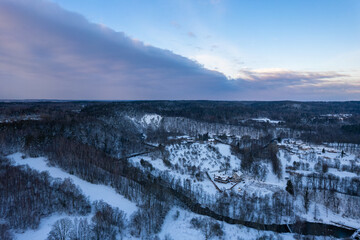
x: 48, y: 52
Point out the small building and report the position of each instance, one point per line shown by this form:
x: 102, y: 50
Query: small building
x: 236, y: 178
x: 304, y: 148
x: 222, y: 179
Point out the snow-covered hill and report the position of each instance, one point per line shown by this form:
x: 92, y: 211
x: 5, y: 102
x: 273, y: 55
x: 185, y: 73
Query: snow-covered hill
x: 95, y: 192
x: 202, y: 162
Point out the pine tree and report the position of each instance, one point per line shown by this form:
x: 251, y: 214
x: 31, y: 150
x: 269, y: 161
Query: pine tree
x: 289, y: 187
x: 306, y: 200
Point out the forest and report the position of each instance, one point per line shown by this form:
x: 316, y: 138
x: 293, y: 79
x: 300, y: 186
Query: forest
x: 297, y: 163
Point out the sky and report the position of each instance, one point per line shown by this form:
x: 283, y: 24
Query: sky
x: 180, y: 49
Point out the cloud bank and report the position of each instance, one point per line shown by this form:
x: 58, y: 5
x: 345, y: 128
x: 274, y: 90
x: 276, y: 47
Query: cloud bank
x: 47, y: 52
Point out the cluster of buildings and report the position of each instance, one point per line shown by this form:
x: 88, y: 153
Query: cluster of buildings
x: 235, y: 178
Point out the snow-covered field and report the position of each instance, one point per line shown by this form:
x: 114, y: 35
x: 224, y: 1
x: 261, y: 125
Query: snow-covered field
x: 177, y: 225
x: 205, y: 157
x: 95, y: 192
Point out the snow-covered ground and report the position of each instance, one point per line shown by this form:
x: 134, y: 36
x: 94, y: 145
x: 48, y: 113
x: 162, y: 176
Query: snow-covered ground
x: 46, y: 223
x: 147, y: 120
x: 33, y: 117
x: 340, y: 116
x: 298, y: 151
x: 217, y: 160
x: 319, y: 213
x: 93, y: 191
x: 205, y: 157
x: 151, y: 119
x: 210, y: 157
x: 177, y: 225
x: 263, y: 119
x: 308, y: 155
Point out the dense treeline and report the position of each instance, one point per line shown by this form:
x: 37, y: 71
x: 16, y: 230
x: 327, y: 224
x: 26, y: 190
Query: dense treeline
x: 352, y: 128
x: 122, y: 138
x: 231, y: 112
x: 255, y: 152
x: 27, y: 195
x: 314, y: 120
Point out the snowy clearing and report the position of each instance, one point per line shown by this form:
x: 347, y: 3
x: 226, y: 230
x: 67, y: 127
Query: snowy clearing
x: 151, y: 119
x: 95, y: 192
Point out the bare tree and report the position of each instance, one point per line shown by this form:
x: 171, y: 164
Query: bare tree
x: 81, y: 230
x: 61, y: 230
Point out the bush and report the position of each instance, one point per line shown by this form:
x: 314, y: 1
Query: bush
x: 325, y: 168
x: 146, y: 164
x: 167, y: 163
